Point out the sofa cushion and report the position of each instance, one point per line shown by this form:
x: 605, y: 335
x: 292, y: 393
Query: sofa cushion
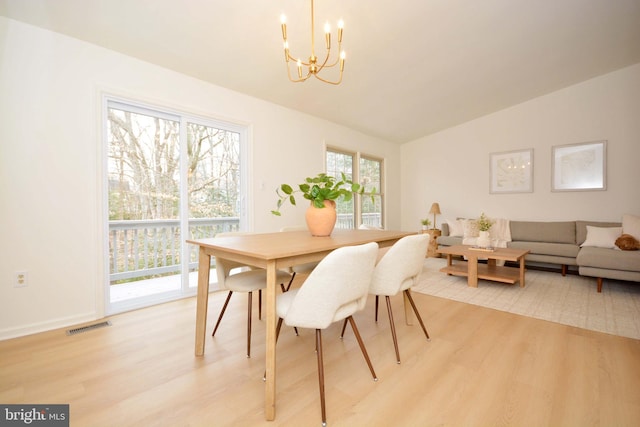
x: 555, y: 249
x: 602, y: 237
x: 551, y: 232
x: 611, y: 259
x: 631, y: 225
x: 444, y: 228
x: 470, y: 228
x: 449, y: 240
x: 581, y: 228
x: 456, y: 227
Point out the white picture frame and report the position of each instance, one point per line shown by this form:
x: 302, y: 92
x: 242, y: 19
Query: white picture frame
x: 579, y: 167
x: 511, y: 172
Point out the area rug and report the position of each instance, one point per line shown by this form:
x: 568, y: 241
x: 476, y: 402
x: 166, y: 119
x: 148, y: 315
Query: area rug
x: 570, y: 300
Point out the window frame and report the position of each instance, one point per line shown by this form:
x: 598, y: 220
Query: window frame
x: 356, y: 157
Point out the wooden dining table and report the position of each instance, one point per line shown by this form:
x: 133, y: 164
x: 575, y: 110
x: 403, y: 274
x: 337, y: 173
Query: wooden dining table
x: 273, y: 252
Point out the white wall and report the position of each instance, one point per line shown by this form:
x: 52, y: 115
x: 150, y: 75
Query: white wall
x: 51, y: 220
x: 452, y: 166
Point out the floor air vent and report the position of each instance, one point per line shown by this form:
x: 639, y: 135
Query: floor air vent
x: 88, y: 328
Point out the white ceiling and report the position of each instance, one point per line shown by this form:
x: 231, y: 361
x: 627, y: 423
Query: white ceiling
x: 413, y: 67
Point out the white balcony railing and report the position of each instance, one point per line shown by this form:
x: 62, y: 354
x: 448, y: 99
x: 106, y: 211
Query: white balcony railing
x: 149, y: 248
x: 152, y: 248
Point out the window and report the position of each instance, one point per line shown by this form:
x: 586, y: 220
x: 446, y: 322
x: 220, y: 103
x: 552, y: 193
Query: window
x: 370, y: 175
x: 366, y: 170
x: 171, y: 177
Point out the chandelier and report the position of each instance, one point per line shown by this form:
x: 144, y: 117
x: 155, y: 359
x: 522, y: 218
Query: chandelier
x: 314, y: 66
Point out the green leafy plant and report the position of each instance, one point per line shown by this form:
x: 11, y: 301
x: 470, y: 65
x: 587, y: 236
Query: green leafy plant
x: 426, y: 222
x: 318, y: 189
x: 484, y: 222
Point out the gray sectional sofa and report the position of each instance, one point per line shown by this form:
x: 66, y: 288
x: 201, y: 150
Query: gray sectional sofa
x: 559, y: 243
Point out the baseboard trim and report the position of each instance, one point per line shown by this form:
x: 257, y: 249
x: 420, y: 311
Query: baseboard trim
x: 34, y: 328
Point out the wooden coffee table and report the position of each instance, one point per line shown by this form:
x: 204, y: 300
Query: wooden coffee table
x: 490, y: 271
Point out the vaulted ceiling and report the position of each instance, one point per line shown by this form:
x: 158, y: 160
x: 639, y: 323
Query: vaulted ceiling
x: 413, y: 67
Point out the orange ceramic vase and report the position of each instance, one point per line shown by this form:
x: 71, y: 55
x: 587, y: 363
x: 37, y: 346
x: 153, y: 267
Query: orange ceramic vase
x: 321, y: 221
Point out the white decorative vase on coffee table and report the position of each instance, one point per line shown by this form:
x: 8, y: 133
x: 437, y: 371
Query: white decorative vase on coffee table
x: 483, y: 241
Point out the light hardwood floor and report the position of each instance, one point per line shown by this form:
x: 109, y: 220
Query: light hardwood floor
x: 481, y: 368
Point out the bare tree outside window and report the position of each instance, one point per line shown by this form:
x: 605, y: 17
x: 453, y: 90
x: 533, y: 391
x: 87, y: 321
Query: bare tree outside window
x: 145, y: 184
x: 214, y: 167
x: 144, y: 170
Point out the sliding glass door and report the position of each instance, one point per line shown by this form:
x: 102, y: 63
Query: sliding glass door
x: 171, y: 177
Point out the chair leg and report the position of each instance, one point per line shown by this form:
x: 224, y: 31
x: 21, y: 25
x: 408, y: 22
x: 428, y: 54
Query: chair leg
x: 393, y: 328
x: 249, y: 325
x: 321, y: 375
x: 278, y: 326
x: 344, y: 326
x: 224, y: 307
x: 407, y: 292
x: 362, y: 347
x: 293, y: 276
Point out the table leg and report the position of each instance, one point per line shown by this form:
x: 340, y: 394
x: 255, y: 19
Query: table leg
x: 270, y: 368
x: 522, y: 272
x: 202, y: 301
x: 449, y: 262
x: 472, y: 269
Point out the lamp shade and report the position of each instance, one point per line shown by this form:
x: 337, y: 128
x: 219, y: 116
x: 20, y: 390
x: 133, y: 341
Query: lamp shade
x: 435, y: 209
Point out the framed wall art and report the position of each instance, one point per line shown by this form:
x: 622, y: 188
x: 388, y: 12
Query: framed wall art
x: 511, y: 172
x: 579, y: 167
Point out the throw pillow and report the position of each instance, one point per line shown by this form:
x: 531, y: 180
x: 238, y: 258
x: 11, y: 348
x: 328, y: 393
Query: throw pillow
x: 456, y: 228
x: 470, y: 228
x: 602, y: 237
x: 631, y: 225
x: 627, y: 242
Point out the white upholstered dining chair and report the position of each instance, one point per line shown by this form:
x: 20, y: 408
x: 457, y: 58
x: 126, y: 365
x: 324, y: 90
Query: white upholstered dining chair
x: 245, y: 281
x: 336, y: 289
x: 397, y: 271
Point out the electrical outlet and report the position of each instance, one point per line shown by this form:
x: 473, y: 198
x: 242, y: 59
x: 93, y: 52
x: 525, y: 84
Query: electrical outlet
x: 21, y: 279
